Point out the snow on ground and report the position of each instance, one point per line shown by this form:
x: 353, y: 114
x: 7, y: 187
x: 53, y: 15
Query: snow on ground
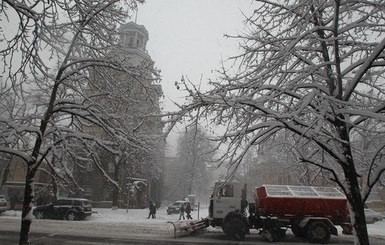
x: 139, y: 217
x: 107, y: 215
x: 377, y: 229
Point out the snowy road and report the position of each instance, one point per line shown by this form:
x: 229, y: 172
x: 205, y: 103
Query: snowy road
x: 113, y: 226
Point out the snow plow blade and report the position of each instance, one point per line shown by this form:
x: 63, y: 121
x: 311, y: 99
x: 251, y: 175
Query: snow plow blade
x: 189, y: 226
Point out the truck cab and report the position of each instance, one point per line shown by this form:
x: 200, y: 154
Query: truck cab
x: 226, y: 197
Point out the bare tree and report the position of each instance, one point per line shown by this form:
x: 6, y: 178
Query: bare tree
x: 287, y: 149
x: 315, y: 68
x: 194, y: 154
x: 48, y: 62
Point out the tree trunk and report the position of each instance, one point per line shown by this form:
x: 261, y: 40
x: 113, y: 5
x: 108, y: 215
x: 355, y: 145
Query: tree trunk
x: 54, y: 190
x: 26, y: 216
x: 356, y: 207
x: 115, y: 193
x: 353, y: 191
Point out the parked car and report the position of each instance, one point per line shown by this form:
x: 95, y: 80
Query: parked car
x: 3, y: 204
x: 175, y: 207
x: 372, y: 216
x: 67, y: 208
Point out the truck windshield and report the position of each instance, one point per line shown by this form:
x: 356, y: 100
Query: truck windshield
x: 226, y: 191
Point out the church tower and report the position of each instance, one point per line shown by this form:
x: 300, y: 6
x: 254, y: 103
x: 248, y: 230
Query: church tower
x: 133, y: 39
x: 136, y: 109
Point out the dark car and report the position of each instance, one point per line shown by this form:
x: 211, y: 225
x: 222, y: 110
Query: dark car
x: 175, y: 208
x: 68, y: 208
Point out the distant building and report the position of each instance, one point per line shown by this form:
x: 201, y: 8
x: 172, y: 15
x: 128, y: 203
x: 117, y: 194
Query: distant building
x: 12, y: 176
x: 145, y: 94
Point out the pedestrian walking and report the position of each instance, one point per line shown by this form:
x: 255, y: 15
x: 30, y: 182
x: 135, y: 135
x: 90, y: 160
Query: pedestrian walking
x: 188, y: 211
x: 152, y: 208
x: 182, y: 209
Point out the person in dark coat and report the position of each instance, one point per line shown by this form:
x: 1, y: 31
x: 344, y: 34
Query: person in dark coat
x: 182, y: 209
x: 152, y: 208
x: 188, y: 211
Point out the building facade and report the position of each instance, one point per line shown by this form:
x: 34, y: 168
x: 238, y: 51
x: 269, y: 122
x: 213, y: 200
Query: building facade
x: 138, y: 173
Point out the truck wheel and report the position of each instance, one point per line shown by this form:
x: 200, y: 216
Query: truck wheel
x: 297, y: 231
x: 318, y: 232
x: 235, y: 229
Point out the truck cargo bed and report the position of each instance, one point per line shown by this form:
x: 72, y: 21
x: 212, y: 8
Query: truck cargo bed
x: 295, y: 202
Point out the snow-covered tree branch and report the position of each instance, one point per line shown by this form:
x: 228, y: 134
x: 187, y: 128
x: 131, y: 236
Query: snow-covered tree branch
x: 65, y: 78
x: 315, y: 69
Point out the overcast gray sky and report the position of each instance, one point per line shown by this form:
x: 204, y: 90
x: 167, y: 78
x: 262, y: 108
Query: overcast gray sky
x: 186, y: 38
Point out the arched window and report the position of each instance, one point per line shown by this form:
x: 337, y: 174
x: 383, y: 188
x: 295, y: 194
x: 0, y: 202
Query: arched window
x: 131, y: 42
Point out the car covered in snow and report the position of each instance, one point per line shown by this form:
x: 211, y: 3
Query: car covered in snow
x: 175, y: 207
x: 67, y: 208
x: 372, y: 216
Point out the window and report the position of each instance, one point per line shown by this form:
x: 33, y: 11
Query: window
x: 89, y: 166
x: 111, y: 167
x: 87, y: 190
x: 131, y: 42
x: 227, y: 191
x: 63, y: 202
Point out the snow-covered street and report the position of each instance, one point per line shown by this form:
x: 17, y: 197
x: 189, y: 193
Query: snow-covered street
x: 119, y: 220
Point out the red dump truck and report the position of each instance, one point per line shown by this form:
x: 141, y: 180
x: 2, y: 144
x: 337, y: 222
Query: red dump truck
x: 311, y: 212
